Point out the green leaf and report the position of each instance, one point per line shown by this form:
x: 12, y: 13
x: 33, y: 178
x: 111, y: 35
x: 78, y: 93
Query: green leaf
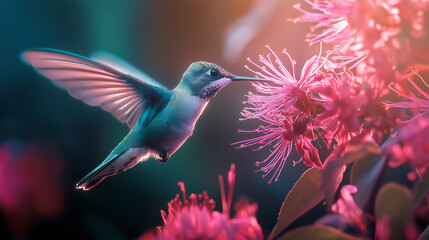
x: 361, y: 151
x: 363, y: 175
x: 305, y: 194
x: 335, y: 166
x: 423, y: 187
x: 332, y: 175
x: 396, y: 202
x: 320, y: 232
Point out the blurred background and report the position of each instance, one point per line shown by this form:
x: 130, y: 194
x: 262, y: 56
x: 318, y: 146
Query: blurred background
x: 49, y: 140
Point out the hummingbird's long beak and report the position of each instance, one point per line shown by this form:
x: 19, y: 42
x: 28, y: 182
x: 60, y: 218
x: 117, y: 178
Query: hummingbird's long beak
x: 241, y: 78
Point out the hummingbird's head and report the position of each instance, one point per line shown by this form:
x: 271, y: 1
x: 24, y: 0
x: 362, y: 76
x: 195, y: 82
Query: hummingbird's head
x: 204, y: 79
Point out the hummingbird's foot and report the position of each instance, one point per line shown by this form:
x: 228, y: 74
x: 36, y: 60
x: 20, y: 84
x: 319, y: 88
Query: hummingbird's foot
x: 164, y: 156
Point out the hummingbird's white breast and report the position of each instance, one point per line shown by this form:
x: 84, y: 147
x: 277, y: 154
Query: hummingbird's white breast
x: 175, y: 124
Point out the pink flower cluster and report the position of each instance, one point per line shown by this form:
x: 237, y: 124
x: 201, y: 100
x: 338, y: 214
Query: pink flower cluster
x: 322, y: 104
x: 379, y: 46
x: 348, y: 215
x: 410, y: 144
x: 195, y: 217
x: 367, y: 104
x: 391, y: 33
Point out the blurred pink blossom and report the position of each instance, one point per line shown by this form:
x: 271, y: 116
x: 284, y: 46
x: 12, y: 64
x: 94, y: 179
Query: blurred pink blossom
x: 346, y: 215
x: 195, y: 218
x: 391, y: 33
x: 382, y: 228
x: 378, y: 118
x: 349, y: 217
x: 411, y: 145
x: 347, y: 207
x: 332, y: 25
x: 30, y: 185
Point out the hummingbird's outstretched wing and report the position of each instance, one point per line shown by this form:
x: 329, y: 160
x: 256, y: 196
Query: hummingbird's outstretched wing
x: 124, y: 67
x: 121, y: 94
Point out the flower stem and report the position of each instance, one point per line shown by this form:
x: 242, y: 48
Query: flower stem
x: 369, y: 206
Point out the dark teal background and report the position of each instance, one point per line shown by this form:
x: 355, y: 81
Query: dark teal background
x: 162, y: 38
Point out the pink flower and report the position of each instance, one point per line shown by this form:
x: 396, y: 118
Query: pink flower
x: 288, y: 92
x: 331, y: 20
x: 347, y: 207
x: 281, y: 134
x: 195, y: 218
x: 378, y: 119
x: 382, y: 228
x: 343, y: 104
x: 30, y: 185
x: 346, y: 215
x: 411, y: 144
x: 392, y: 33
x: 417, y: 104
x: 289, y: 108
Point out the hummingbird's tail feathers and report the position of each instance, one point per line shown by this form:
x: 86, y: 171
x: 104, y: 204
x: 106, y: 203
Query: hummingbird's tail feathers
x: 92, y: 179
x: 114, y: 164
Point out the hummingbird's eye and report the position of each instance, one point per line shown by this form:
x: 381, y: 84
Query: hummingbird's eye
x: 213, y: 72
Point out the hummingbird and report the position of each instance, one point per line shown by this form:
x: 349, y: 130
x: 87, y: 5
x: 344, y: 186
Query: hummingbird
x: 160, y: 120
